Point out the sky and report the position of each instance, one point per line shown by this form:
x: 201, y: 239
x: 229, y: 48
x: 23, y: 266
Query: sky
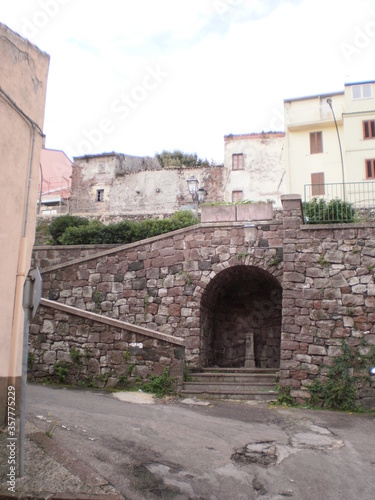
x: 142, y: 76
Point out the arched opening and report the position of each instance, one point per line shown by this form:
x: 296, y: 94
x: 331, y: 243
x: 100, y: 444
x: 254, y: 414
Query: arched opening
x: 241, y: 301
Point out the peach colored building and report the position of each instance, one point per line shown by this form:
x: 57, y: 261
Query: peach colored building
x: 23, y: 80
x: 54, y: 182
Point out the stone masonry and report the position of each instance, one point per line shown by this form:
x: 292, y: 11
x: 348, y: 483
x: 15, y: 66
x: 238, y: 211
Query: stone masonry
x: 300, y: 289
x: 328, y: 297
x: 109, y: 351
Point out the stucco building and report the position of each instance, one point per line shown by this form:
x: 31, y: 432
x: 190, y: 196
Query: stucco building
x: 23, y: 81
x: 114, y: 184
x: 312, y: 145
x: 254, y: 167
x: 54, y: 182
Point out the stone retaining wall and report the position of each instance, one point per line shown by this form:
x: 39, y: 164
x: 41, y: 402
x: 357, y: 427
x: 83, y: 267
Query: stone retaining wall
x: 158, y: 283
x: 98, y: 351
x: 328, y: 297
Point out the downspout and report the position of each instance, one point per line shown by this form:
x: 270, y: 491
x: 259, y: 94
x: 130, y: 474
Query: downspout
x: 41, y: 188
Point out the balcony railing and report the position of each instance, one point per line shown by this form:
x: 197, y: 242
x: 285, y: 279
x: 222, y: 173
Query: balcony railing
x: 338, y: 202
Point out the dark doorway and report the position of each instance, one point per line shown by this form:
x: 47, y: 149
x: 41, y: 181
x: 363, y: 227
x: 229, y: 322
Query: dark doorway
x: 238, y: 301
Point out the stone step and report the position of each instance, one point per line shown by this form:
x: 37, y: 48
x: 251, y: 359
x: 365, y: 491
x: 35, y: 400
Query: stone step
x: 232, y: 383
x: 244, y: 378
x: 237, y: 395
x: 238, y: 370
x: 218, y: 386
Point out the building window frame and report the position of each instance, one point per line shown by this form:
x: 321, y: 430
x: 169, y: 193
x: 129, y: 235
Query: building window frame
x: 370, y: 168
x: 368, y: 129
x: 317, y: 184
x: 100, y: 195
x: 316, y: 142
x: 237, y: 196
x: 362, y: 91
x: 238, y: 161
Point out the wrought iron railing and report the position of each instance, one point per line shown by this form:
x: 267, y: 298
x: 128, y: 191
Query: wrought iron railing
x: 338, y: 202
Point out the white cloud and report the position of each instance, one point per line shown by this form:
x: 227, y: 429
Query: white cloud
x: 229, y: 65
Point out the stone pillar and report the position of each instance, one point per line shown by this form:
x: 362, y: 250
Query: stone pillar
x: 249, y: 356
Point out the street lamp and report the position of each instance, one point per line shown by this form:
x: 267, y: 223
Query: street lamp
x: 198, y: 195
x: 329, y: 102
x: 250, y: 231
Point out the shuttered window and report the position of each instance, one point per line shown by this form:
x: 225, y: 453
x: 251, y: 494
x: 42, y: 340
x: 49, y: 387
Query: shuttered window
x: 317, y: 184
x: 237, y: 162
x: 316, y: 142
x: 369, y: 129
x: 370, y: 169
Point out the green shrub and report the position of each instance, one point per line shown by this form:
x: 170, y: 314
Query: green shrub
x: 161, y: 385
x: 318, y: 211
x: 88, y: 234
x: 59, y: 225
x: 60, y: 370
x: 338, y: 392
x: 177, y: 158
x: 124, y: 232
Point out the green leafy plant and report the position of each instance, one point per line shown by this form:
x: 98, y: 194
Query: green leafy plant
x: 122, y: 382
x: 323, y: 262
x: 76, y: 356
x: 60, y: 224
x: 126, y: 355
x: 51, y: 426
x: 30, y: 360
x: 161, y: 385
x: 318, y: 211
x: 284, y: 397
x: 60, y: 370
x: 187, y: 376
x: 95, y: 232
x: 179, y: 159
x: 338, y: 392
x: 242, y: 255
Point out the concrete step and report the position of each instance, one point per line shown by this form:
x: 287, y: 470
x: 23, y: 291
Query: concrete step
x: 232, y: 383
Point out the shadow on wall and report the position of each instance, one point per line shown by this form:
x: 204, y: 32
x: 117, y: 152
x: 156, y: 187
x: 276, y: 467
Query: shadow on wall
x: 239, y: 301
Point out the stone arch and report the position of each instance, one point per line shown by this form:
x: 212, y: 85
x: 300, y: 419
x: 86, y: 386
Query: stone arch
x: 240, y: 300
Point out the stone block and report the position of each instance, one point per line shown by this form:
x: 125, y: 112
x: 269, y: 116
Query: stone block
x: 317, y: 350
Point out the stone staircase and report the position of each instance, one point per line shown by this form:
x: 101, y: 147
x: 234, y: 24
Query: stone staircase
x: 252, y: 384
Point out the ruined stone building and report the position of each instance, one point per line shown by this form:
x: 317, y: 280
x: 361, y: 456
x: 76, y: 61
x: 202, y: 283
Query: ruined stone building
x: 113, y: 184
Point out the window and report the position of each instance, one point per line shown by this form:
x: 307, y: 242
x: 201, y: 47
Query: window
x: 237, y: 196
x: 316, y: 142
x: 370, y: 169
x: 100, y: 195
x: 369, y: 129
x: 317, y: 184
x: 101, y: 168
x: 363, y: 91
x: 237, y: 162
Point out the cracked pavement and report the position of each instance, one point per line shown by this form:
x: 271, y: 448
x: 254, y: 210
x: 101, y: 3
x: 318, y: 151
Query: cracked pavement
x: 218, y: 450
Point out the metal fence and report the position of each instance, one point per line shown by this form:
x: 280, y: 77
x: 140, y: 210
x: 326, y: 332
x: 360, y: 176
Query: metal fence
x: 338, y: 202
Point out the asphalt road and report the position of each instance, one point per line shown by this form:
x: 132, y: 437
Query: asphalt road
x: 221, y: 451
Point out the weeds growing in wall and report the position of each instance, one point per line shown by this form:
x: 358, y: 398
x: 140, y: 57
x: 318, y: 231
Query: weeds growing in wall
x: 338, y: 390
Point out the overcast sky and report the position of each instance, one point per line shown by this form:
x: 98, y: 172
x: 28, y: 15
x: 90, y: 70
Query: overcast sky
x: 142, y: 76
